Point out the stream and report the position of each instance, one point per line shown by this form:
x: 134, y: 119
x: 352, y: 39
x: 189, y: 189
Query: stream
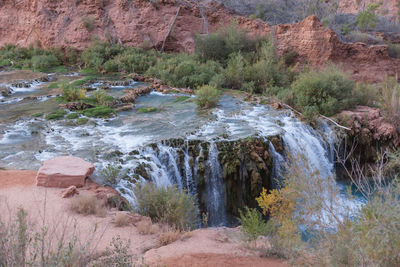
x: 137, y: 141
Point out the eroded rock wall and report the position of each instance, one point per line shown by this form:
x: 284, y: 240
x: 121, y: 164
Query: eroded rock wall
x: 137, y: 22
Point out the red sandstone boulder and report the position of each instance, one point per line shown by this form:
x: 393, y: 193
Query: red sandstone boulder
x: 69, y: 192
x: 64, y: 172
x: 370, y: 125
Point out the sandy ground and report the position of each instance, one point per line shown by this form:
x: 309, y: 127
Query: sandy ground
x: 202, y: 247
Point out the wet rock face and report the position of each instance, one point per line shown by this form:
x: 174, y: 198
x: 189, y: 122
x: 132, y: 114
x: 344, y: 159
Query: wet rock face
x: 369, y: 130
x: 5, y: 91
x: 246, y: 167
x: 132, y: 94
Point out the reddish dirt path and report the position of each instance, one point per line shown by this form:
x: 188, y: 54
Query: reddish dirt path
x: 209, y: 260
x: 10, y: 178
x: 204, y: 248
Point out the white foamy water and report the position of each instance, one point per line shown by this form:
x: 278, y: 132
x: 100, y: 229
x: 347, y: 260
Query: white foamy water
x: 25, y: 144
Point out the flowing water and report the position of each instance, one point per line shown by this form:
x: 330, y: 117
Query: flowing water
x: 135, y: 141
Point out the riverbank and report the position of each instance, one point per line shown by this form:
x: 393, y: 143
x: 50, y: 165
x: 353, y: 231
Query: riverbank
x: 202, y: 247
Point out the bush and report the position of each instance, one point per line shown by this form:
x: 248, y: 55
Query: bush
x: 226, y: 41
x: 98, y: 53
x: 325, y: 92
x: 99, y: 112
x: 252, y: 223
x: 367, y: 19
x: 101, y: 97
x: 184, y: 71
x: 43, y: 62
x: 112, y: 174
x: 56, y: 115
x: 111, y: 66
x: 89, y: 23
x: 168, y: 237
x: 122, y: 219
x: 70, y: 93
x: 145, y: 227
x: 390, y: 101
x: 82, y: 121
x: 167, y: 205
x: 235, y: 71
x: 88, y: 205
x: 207, y: 96
x: 136, y: 60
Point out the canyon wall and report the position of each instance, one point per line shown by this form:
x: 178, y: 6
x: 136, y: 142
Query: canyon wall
x: 139, y: 22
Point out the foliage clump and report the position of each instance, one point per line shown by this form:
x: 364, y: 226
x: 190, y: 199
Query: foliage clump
x: 56, y: 115
x: 252, y: 223
x: 99, y: 112
x: 323, y: 92
x: 167, y: 205
x: 207, y: 96
x: 70, y: 93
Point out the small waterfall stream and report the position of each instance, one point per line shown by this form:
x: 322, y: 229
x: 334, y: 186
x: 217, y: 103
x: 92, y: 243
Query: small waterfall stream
x: 215, y: 191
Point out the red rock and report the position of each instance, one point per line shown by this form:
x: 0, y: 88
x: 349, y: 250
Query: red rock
x: 59, y: 24
x: 69, y: 192
x: 389, y: 8
x: 64, y: 172
x: 370, y: 125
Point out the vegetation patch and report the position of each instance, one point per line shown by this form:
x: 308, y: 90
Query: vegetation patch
x: 37, y: 115
x: 82, y: 121
x: 182, y: 98
x: 99, y: 112
x: 167, y: 205
x: 147, y: 109
x: 88, y: 205
x: 56, y: 115
x: 72, y: 116
x: 207, y: 96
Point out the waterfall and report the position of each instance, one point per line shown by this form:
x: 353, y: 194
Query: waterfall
x: 215, y: 191
x: 190, y: 173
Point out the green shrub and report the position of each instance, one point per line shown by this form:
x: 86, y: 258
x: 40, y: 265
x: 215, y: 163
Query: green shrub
x: 100, y: 96
x: 70, y: 93
x: 43, y: 62
x: 89, y: 23
x: 37, y: 115
x: 207, y: 96
x: 112, y: 174
x: 136, y: 60
x: 184, y: 71
x: 226, y: 41
x: 252, y: 223
x: 111, y: 66
x: 325, y: 92
x: 167, y: 205
x: 367, y: 19
x: 99, y: 112
x: 82, y: 121
x: 98, y: 53
x: 72, y: 116
x: 235, y: 71
x: 182, y: 98
x: 56, y: 115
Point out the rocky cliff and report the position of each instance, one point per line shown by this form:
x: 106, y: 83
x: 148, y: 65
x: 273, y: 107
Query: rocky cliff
x: 137, y: 22
x: 388, y: 8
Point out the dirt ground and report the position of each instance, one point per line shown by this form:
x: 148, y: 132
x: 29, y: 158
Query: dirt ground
x: 45, y: 206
